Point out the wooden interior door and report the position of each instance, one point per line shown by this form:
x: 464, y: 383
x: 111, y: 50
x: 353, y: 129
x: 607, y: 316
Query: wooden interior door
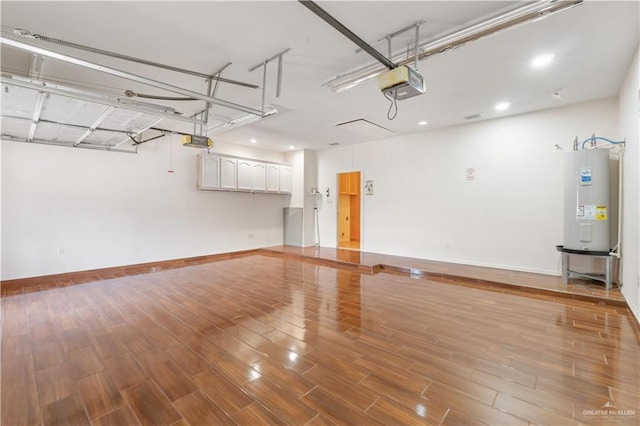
x: 349, y: 210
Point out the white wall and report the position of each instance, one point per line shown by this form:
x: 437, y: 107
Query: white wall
x: 630, y: 128
x: 423, y: 206
x: 69, y: 209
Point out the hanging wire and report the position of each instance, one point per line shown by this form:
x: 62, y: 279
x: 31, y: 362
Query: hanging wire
x: 394, y: 104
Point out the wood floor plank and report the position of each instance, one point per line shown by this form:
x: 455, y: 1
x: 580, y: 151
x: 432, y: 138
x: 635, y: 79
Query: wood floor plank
x: 84, y: 361
x: 125, y: 371
x: 120, y: 417
x: 287, y: 357
x: 389, y: 412
x: 197, y: 409
x: 20, y: 405
x: 149, y: 405
x: 15, y: 346
x: 66, y: 411
x: 223, y: 391
x: 99, y: 394
x: 55, y: 383
x: 187, y: 360
x: 279, y: 402
x: 333, y: 407
x: 357, y: 395
x: 395, y: 391
x: 454, y: 418
x: 173, y: 382
x: 256, y: 414
x: 295, y: 383
x: 17, y: 372
x: 530, y: 412
x: 471, y: 407
x: 109, y: 345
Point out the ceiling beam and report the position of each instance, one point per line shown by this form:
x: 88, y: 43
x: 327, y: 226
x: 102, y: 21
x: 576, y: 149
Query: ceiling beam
x: 325, y: 16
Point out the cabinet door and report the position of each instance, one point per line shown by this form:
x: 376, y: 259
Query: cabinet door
x: 273, y: 178
x: 354, y: 183
x: 228, y: 174
x: 209, y: 172
x: 259, y: 177
x: 285, y: 179
x: 245, y: 172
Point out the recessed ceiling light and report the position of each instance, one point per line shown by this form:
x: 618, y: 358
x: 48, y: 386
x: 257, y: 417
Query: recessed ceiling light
x: 502, y: 106
x: 292, y: 147
x: 542, y: 60
x: 254, y: 141
x: 423, y: 123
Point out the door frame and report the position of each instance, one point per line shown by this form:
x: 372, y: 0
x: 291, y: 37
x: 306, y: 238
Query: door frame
x: 337, y: 211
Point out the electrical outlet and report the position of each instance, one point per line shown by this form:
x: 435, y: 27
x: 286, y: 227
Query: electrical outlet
x: 61, y: 251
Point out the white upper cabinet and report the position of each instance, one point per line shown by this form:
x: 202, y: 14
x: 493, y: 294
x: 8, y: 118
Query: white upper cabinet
x: 273, y: 178
x: 209, y: 172
x: 245, y: 175
x: 285, y: 179
x: 222, y: 173
x: 259, y: 177
x: 228, y: 173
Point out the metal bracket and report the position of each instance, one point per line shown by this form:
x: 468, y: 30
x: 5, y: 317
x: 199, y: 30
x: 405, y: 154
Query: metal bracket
x: 263, y: 64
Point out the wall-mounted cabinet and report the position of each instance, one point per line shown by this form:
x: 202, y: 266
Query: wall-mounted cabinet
x: 259, y: 175
x: 228, y: 173
x: 208, y: 172
x: 222, y: 173
x: 245, y: 175
x: 349, y: 183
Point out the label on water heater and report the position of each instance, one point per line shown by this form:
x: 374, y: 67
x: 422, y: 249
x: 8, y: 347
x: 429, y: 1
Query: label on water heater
x: 601, y: 212
x: 585, y: 176
x: 592, y: 212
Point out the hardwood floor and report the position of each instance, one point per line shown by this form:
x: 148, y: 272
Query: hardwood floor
x: 267, y: 340
x: 482, y: 277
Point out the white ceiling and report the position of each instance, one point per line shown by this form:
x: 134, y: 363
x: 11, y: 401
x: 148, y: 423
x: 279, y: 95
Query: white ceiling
x: 593, y: 45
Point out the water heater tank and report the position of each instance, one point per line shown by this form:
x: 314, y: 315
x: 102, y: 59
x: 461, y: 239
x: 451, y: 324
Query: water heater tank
x: 587, y: 200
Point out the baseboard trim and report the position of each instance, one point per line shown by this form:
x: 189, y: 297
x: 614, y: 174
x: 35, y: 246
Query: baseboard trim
x: 79, y: 277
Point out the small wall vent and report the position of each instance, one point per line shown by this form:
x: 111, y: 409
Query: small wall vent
x: 472, y: 117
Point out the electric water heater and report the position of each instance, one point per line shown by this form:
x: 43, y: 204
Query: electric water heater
x: 587, y: 210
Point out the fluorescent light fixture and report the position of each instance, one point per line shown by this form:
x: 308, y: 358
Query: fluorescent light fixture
x: 292, y: 147
x: 423, y: 123
x: 240, y: 121
x: 542, y: 60
x: 509, y: 18
x: 502, y: 106
x: 253, y: 141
